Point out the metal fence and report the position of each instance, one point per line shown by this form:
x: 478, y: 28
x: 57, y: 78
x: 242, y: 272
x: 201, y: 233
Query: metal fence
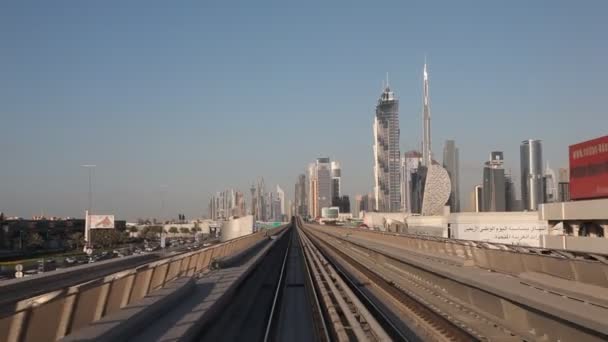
x: 53, y: 315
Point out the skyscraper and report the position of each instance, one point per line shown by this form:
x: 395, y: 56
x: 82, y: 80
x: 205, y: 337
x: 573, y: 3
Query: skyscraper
x: 550, y: 185
x: 301, y: 201
x: 336, y: 182
x: 253, y: 200
x: 494, y: 192
x: 426, y: 120
x: 357, y: 207
x: 312, y: 191
x: 511, y: 203
x: 387, y: 156
x: 409, y: 165
x: 450, y: 163
x: 281, y: 199
x: 477, y: 199
x: 563, y: 188
x: 531, y: 162
x: 323, y: 177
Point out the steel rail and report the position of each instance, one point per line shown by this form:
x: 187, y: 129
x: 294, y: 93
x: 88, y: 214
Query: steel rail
x: 273, y: 316
x: 454, y: 292
x: 343, y: 293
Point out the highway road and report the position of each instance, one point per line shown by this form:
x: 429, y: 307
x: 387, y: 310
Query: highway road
x: 15, y: 290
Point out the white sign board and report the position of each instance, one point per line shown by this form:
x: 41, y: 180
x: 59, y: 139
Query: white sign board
x: 525, y: 234
x: 101, y: 221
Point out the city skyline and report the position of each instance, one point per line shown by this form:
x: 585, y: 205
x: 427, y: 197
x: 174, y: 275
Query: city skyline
x: 156, y: 92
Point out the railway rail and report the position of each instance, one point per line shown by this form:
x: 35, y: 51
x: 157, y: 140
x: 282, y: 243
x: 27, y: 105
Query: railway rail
x: 447, y: 302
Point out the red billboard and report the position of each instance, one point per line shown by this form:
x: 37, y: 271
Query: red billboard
x: 589, y: 169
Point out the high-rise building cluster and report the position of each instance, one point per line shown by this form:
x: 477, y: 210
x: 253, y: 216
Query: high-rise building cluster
x: 226, y: 204
x: 423, y: 181
x: 320, y: 187
x: 498, y: 190
x: 264, y: 206
x: 268, y: 206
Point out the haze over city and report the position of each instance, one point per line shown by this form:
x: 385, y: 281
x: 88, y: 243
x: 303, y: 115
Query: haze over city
x: 186, y: 101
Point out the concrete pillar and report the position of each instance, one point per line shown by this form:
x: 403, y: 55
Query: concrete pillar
x: 604, y: 226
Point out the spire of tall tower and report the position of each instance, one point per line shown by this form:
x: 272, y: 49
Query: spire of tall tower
x: 387, y: 83
x: 426, y: 120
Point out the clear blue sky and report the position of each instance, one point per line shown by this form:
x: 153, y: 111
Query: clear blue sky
x: 201, y: 95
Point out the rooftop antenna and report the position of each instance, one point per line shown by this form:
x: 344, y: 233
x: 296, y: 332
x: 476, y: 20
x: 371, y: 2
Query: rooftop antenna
x: 387, y: 84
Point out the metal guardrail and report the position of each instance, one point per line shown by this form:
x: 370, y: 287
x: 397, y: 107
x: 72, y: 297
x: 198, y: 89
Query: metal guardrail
x: 585, y: 268
x: 55, y: 314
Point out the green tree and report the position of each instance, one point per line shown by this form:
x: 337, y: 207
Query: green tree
x: 34, y: 240
x: 173, y: 230
x: 184, y: 230
x: 133, y: 229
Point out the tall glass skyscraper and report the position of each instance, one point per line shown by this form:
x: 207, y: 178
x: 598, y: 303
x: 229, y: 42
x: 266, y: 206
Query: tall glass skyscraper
x: 450, y: 163
x: 532, y: 189
x: 387, y: 178
x: 494, y: 183
x: 323, y: 175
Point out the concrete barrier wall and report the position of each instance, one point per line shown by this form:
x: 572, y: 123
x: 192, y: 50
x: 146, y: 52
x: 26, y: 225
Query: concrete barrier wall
x: 575, y: 243
x: 495, y: 257
x: 53, y: 315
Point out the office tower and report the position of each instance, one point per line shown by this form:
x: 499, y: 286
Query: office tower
x: 450, y: 163
x: 426, y: 121
x: 301, y: 201
x: 277, y: 216
x: 336, y: 182
x: 261, y: 205
x: 343, y: 203
x: 324, y: 195
x: 494, y: 192
x: 409, y: 164
x: 550, y: 185
x: 289, y: 210
x: 386, y: 153
x: 312, y: 191
x: 239, y: 208
x: 357, y: 208
x: 531, y: 162
x: 270, y: 199
x: 563, y: 186
x: 477, y: 199
x: 510, y: 198
x: 253, y: 200
x: 281, y: 198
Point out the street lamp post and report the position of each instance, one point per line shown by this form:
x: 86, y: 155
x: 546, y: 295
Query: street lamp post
x: 87, y: 231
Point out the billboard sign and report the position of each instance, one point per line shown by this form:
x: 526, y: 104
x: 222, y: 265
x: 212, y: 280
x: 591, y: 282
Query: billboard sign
x: 101, y: 221
x: 589, y: 169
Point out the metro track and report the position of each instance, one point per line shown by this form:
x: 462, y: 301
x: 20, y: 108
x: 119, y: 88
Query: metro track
x: 447, y: 302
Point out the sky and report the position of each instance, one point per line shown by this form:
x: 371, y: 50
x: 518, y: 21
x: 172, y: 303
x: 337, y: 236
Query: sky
x: 178, y: 100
